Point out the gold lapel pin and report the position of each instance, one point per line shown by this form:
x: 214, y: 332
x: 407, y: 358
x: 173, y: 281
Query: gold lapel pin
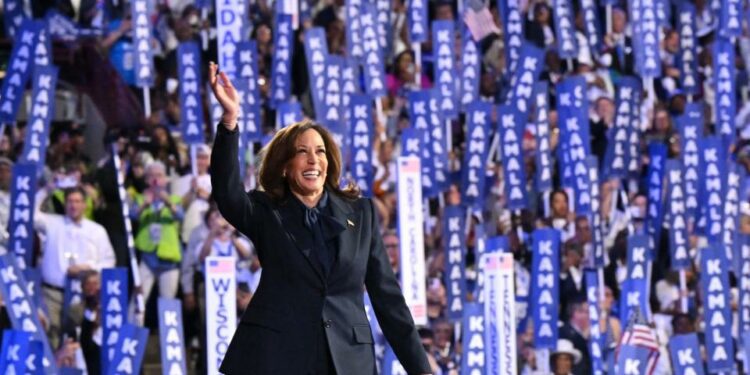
x: 351, y: 223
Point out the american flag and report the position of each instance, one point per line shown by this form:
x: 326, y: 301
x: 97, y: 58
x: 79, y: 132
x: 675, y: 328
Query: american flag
x: 410, y: 165
x: 219, y: 265
x: 641, y: 336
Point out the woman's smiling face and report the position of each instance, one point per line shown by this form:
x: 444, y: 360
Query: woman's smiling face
x: 306, y: 171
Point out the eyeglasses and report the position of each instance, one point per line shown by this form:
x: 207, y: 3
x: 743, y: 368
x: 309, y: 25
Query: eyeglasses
x: 391, y: 246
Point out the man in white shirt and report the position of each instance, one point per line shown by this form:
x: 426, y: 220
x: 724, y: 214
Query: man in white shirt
x: 71, y: 244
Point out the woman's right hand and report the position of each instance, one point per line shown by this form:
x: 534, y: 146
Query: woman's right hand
x: 226, y: 94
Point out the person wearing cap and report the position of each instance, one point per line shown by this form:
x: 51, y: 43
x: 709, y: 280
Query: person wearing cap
x: 564, y: 358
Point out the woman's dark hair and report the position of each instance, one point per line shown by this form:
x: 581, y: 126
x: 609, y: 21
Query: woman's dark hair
x: 280, y: 150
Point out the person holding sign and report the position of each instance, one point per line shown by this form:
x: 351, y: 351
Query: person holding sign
x: 318, y: 245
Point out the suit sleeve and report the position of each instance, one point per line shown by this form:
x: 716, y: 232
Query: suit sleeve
x: 227, y: 188
x: 390, y: 307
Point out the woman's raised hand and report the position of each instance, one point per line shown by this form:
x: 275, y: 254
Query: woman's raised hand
x: 226, y: 94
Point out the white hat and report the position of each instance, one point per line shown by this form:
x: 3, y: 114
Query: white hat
x: 564, y: 346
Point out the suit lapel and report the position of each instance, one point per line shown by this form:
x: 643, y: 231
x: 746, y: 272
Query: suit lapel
x: 347, y: 242
x: 291, y: 221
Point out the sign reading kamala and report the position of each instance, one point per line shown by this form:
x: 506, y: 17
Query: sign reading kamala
x: 499, y: 312
x: 678, y: 229
x: 373, y: 53
x: 591, y: 24
x: 636, y: 295
x: 545, y: 286
x: 143, y: 56
x: 221, y: 309
x: 15, y: 352
x: 573, y: 120
x: 687, y: 57
x: 361, y: 127
x: 685, y: 354
x: 470, y: 69
x: 288, y: 113
x: 731, y: 215
x: 443, y: 44
x: 229, y: 33
x: 129, y: 350
x: 524, y: 78
x: 171, y: 340
x: 417, y: 20
x: 510, y: 126
x: 114, y: 298
x: 281, y: 66
x: 247, y: 71
x: 690, y: 126
x: 411, y: 237
x: 725, y: 101
x: 567, y: 43
x: 712, y: 171
x: 595, y: 218
x: 511, y: 15
x: 438, y: 141
x: 455, y: 263
x: 419, y: 120
x: 191, y: 105
x: 21, y: 221
x: 473, y: 360
x: 40, y: 115
x: 13, y: 15
x: 18, y: 70
x: 655, y: 211
x: 717, y: 311
x: 742, y: 258
x: 22, y: 313
x: 596, y: 336
x: 730, y: 21
x: 333, y: 112
x: 316, y: 51
x: 543, y: 177
x: 353, y: 9
x: 647, y: 39
x: 473, y: 180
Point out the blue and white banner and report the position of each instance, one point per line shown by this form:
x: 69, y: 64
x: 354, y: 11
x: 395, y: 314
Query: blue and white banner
x: 21, y: 221
x: 191, y: 104
x: 636, y: 296
x: 574, y: 123
x: 221, y: 309
x: 287, y: 113
x: 717, y: 314
x: 565, y: 32
x: 332, y: 116
x: 524, y: 78
x: 657, y: 152
x: 437, y: 134
x: 455, y: 263
x: 361, y: 127
x: 114, y: 310
x: 18, y: 70
x: 543, y: 156
x: 43, y: 48
x: 391, y: 365
x: 634, y: 359
x: 350, y: 84
x: 725, y: 100
x: 13, y: 17
x: 33, y: 277
x: 591, y: 25
x: 742, y: 272
x: 22, y: 313
x: 597, y: 338
x: 171, y: 339
x: 72, y: 294
x: 730, y: 18
x: 499, y: 314
x: 40, y: 116
x: 473, y: 358
x: 411, y: 237
x: 419, y: 121
x: 647, y: 38
x: 510, y: 127
x: 229, y: 33
x: 15, y: 352
x: 129, y: 350
x: 735, y: 176
x: 246, y: 59
x: 416, y: 21
x: 617, y: 157
x: 316, y: 52
x: 377, y: 333
x: 679, y: 245
x: 62, y: 28
x: 686, y: 355
x: 478, y: 117
x: 385, y: 31
x: 690, y: 126
x: 470, y: 70
x: 712, y: 172
x: 497, y: 244
x: 595, y: 218
x: 411, y: 142
x: 545, y: 287
x: 444, y: 66
x: 143, y: 53
x: 354, y: 45
x: 372, y: 62
x: 281, y: 65
x: 687, y: 57
x: 510, y: 13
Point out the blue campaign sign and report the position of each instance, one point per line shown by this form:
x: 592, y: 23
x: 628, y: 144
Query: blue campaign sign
x: 385, y: 31
x: 742, y: 272
x: 18, y: 71
x: 15, y: 350
x: 350, y: 84
x: 731, y: 214
x: 725, y: 99
x: 529, y: 67
x: 712, y: 173
x: 114, y: 310
x: 129, y: 350
x: 332, y: 116
x: 354, y: 48
x: 444, y: 67
x: 510, y: 13
x: 472, y: 172
x: 545, y: 286
x: 416, y: 20
x: 361, y: 126
x: 143, y: 53
x: 281, y: 65
x: 596, y: 336
x: 730, y: 18
x: 21, y: 221
x: 685, y: 353
x: 439, y: 149
x: 634, y: 359
x: 73, y: 293
x: 470, y: 70
x: 419, y: 120
x: 43, y: 48
x: 455, y: 263
x: 191, y: 104
x: 372, y: 61
x: 687, y: 57
x: 636, y: 296
x: 591, y: 25
x: 497, y: 244
x: 595, y: 218
x: 677, y: 213
x: 543, y: 157
x: 246, y: 58
x: 573, y: 123
x: 288, y: 113
x: 21, y: 311
x: 473, y: 360
x: 171, y: 339
x: 647, y: 38
x: 510, y: 126
x: 567, y: 44
x: 411, y: 142
x: 655, y: 179
x: 40, y: 115
x: 690, y: 125
x: 316, y: 52
x: 14, y: 16
x: 714, y: 280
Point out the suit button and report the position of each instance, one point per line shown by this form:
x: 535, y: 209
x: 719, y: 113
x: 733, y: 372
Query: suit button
x: 327, y: 323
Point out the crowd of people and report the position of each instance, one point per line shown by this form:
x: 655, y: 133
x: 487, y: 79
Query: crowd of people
x: 176, y: 225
